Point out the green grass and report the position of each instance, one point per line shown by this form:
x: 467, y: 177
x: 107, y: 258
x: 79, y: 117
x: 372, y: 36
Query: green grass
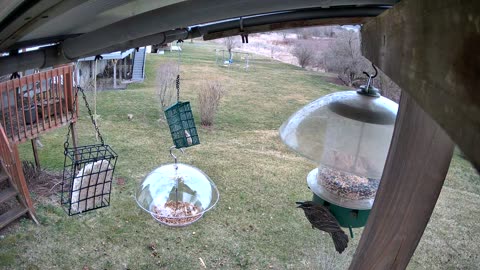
x: 255, y: 224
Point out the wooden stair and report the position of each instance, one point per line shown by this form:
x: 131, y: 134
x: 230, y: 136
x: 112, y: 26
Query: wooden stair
x: 9, y: 194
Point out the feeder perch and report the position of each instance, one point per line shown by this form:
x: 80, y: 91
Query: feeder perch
x: 177, y: 194
x: 348, y: 135
x: 182, y: 126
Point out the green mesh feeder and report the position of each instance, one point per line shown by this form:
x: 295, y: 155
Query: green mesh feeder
x: 182, y: 126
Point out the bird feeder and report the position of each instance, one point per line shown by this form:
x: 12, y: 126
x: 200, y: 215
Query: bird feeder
x: 348, y: 135
x: 182, y: 126
x: 177, y: 194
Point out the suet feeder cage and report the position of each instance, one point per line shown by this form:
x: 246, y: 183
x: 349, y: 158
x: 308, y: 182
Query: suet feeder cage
x: 348, y: 135
x: 182, y: 125
x: 87, y: 171
x: 177, y: 194
x: 87, y: 178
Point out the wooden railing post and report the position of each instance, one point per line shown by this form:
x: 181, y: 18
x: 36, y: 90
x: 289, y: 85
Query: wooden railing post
x: 20, y: 179
x: 413, y: 177
x: 69, y: 90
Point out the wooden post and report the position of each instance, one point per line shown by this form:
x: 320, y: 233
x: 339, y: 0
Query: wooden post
x: 35, y: 153
x: 413, y: 177
x: 114, y: 73
x: 431, y: 49
x: 93, y: 69
x: 22, y: 184
x: 125, y: 67
x: 74, y: 139
x: 120, y: 66
x: 69, y: 90
x: 95, y: 99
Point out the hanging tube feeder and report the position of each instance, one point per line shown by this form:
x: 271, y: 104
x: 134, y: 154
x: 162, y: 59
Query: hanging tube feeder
x: 348, y: 135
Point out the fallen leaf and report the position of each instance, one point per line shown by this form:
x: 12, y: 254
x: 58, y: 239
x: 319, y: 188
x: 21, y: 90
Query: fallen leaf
x: 121, y: 181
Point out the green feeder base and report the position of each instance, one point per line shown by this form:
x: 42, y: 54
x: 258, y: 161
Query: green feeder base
x: 182, y: 126
x: 348, y: 218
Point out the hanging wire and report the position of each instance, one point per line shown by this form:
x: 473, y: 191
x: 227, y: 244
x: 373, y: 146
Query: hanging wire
x: 177, y: 179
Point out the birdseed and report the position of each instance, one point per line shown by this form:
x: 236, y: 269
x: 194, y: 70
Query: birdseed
x: 177, y: 213
x: 347, y: 185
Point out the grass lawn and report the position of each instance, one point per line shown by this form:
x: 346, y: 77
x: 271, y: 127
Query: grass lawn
x: 255, y: 224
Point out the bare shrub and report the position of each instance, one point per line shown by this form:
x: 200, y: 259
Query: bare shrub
x: 303, y: 33
x: 166, y: 76
x: 230, y: 43
x: 304, y: 52
x: 344, y: 58
x: 209, y: 96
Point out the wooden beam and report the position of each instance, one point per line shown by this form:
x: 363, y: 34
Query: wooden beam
x: 35, y: 153
x: 415, y: 170
x: 114, y: 73
x: 431, y: 49
x: 120, y: 70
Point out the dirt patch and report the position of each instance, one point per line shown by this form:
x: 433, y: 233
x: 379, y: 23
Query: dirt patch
x: 42, y: 182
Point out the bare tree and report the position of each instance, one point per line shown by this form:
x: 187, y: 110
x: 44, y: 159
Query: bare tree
x: 273, y: 49
x: 326, y: 31
x: 230, y: 43
x: 303, y: 33
x: 166, y: 76
x: 344, y: 58
x: 304, y: 52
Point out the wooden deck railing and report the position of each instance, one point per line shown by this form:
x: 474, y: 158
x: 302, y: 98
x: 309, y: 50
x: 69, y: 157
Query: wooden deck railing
x: 10, y: 158
x: 36, y: 103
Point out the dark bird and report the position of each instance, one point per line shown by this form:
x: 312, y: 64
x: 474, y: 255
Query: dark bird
x: 321, y: 218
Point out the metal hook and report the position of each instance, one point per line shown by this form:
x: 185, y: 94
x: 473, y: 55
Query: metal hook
x: 369, y: 90
x: 370, y: 76
x: 171, y: 152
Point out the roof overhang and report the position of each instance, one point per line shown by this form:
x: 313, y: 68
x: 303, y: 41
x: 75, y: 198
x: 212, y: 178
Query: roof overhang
x: 78, y: 29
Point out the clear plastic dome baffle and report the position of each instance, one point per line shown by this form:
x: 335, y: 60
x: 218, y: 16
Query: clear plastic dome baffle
x: 177, y: 194
x: 346, y: 131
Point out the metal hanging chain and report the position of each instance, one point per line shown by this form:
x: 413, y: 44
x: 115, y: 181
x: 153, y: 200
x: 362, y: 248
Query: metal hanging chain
x: 66, y: 144
x: 177, y: 82
x: 91, y: 116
